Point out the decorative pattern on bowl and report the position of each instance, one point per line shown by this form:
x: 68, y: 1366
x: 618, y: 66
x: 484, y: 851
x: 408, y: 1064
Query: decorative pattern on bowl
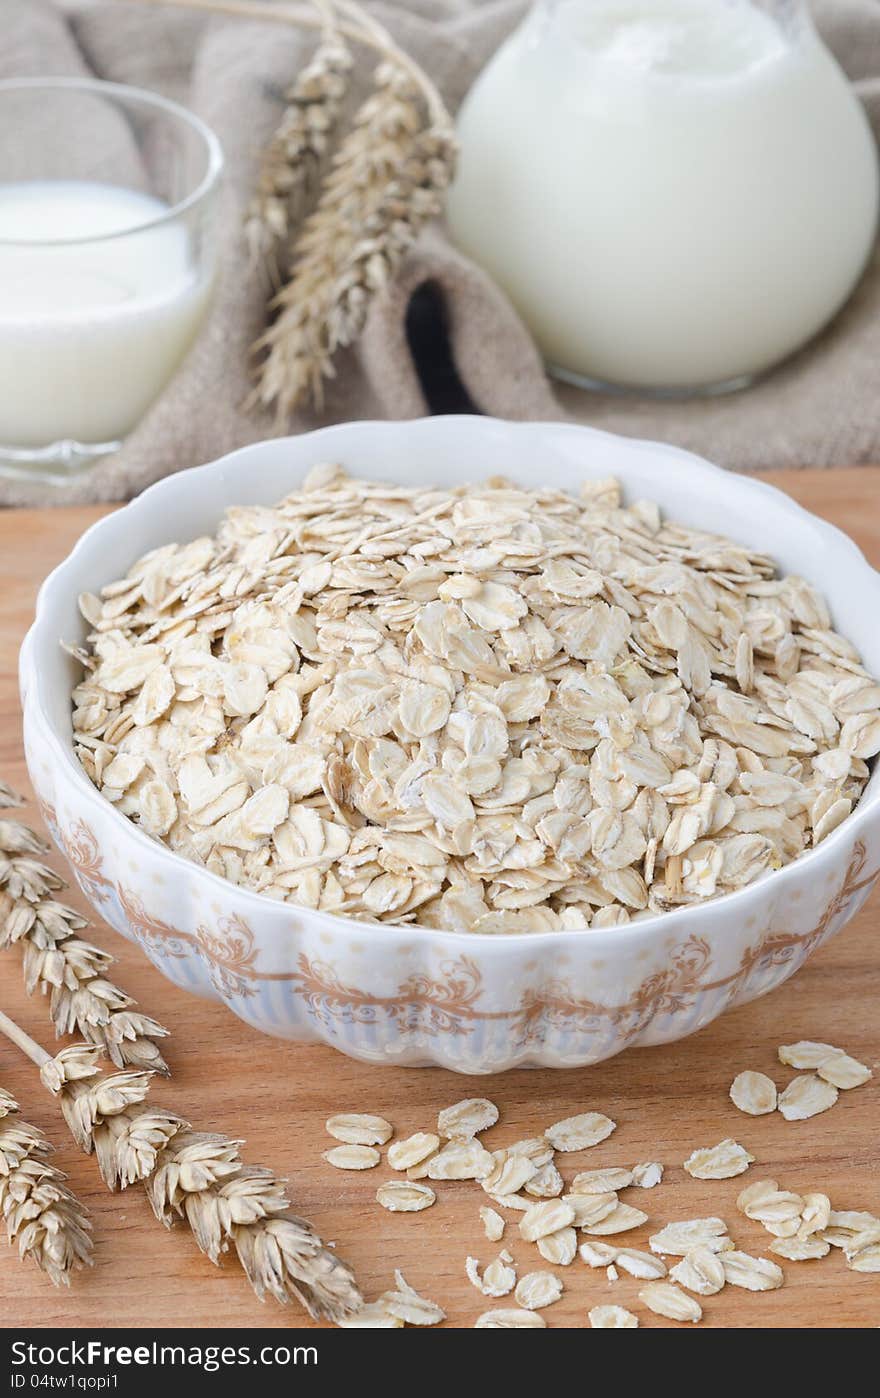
x: 411, y: 995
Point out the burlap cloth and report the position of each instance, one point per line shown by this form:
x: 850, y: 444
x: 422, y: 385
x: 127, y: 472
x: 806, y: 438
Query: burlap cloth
x: 821, y: 409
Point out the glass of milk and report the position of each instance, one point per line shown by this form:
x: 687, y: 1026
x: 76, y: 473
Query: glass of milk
x: 107, y: 197
x: 676, y: 194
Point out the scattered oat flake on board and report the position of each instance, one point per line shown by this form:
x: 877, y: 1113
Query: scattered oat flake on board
x: 498, y: 1278
x: 409, y: 1306
x: 419, y: 1171
x: 400, y: 1198
x: 510, y: 1318
x: 546, y: 1183
x: 667, y: 1299
x: 644, y: 1265
x: 815, y: 1214
x: 756, y: 1192
x: 843, y: 1072
x: 719, y: 1162
x: 700, y: 1270
x: 800, y: 1249
x: 518, y: 1202
x: 753, y: 1093
x: 604, y: 1181
x: 546, y: 1216
x: 843, y: 1221
x: 560, y: 1247
x: 402, y: 1155
x: 612, y: 1318
x: 620, y: 1220
x: 778, y: 1210
x: 460, y: 1160
x: 864, y: 1238
x: 352, y: 1157
x: 597, y: 1254
x: 857, y: 1233
x: 681, y: 1237
x: 359, y: 1129
x: 806, y: 1096
x: 751, y: 1273
x: 493, y: 1223
x: 648, y: 1175
x: 580, y: 1132
x: 537, y: 1149
x: 467, y: 1118
x: 508, y: 1173
x: 591, y: 1208
x: 863, y: 1252
x: 536, y: 1290
x: 805, y: 1054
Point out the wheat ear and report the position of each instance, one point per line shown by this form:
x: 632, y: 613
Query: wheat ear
x: 194, y: 1176
x: 58, y: 962
x: 200, y: 1178
x: 385, y: 182
x: 41, y: 1215
x: 301, y: 141
x: 106, y: 1114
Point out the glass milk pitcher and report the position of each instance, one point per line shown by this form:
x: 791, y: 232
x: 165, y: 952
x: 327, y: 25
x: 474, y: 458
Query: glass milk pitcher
x: 675, y: 194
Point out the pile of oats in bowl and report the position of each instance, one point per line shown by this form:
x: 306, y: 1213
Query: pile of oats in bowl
x: 484, y: 709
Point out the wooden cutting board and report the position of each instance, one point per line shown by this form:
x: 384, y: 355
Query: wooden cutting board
x: 667, y: 1101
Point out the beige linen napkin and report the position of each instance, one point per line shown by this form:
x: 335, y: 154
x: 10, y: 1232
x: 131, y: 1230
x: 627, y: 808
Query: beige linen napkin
x: 821, y: 409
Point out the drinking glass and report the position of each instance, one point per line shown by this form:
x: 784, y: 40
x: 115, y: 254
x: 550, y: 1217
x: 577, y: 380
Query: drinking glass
x: 107, y: 257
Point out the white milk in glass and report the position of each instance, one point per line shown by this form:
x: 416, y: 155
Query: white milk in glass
x: 674, y: 193
x: 90, y: 331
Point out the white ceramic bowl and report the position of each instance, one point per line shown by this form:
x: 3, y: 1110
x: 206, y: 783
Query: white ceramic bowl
x: 409, y: 995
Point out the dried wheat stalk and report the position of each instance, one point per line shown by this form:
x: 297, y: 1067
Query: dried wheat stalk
x: 58, y: 961
x: 41, y: 1214
x: 198, y: 1177
x: 301, y: 141
x: 195, y: 1176
x: 386, y: 181
x: 105, y: 1115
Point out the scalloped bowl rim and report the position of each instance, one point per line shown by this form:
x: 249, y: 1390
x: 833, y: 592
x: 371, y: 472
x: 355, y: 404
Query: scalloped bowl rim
x: 616, y: 938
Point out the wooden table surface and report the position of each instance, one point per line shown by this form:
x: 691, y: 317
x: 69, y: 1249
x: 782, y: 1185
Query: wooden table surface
x: 667, y: 1101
